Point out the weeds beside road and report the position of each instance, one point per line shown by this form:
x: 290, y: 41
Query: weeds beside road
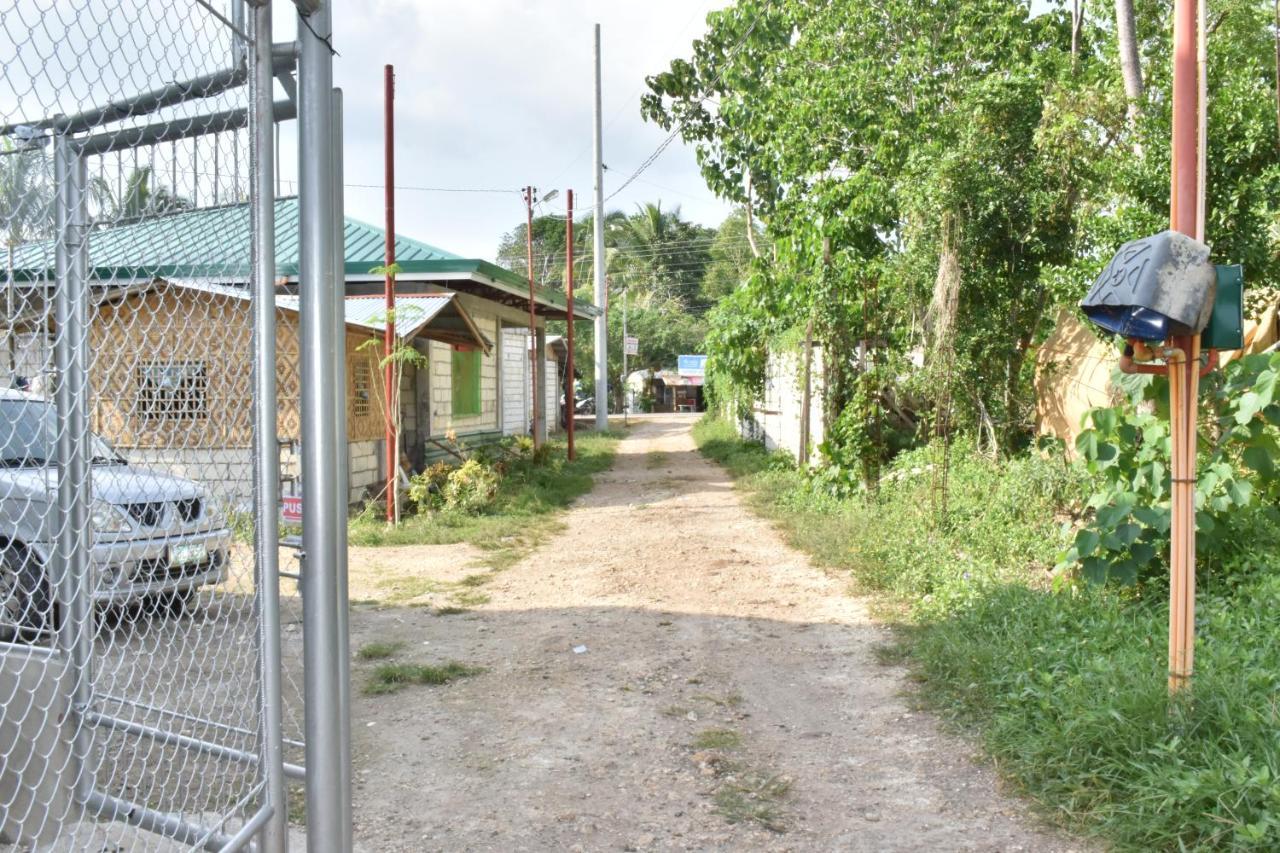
x: 1066, y: 690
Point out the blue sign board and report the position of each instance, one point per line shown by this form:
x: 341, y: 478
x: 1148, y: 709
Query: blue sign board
x: 691, y: 365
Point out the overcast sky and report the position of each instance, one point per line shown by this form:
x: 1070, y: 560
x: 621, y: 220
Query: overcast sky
x: 497, y: 94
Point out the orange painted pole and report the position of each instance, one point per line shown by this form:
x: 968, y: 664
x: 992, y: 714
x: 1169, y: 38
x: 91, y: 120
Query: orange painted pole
x: 1186, y: 185
x: 568, y: 278
x: 389, y: 291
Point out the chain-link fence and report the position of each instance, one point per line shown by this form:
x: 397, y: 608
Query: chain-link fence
x: 140, y: 438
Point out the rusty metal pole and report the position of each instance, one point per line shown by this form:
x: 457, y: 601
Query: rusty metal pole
x: 534, y: 356
x: 390, y: 394
x: 1184, y: 372
x: 568, y: 277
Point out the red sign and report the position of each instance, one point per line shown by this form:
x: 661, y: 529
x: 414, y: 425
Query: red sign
x: 291, y: 509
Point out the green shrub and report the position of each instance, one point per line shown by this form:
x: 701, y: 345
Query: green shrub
x: 470, y: 488
x: 426, y: 489
x: 1127, y: 450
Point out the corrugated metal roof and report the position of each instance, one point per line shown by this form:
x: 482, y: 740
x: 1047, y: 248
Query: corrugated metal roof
x: 212, y: 242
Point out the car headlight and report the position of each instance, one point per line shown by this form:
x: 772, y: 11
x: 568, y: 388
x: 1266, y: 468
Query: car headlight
x: 215, y: 511
x: 108, y: 518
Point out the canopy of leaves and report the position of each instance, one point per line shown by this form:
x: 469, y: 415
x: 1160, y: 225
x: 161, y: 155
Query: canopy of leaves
x: 968, y: 170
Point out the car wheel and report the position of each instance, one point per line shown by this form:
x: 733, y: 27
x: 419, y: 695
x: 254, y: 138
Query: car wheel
x: 26, y: 606
x: 170, y: 603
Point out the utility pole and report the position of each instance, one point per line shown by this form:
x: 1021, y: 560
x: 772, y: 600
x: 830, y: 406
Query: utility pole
x: 568, y: 278
x: 626, y: 387
x: 1186, y: 216
x: 602, y: 321
x: 390, y: 393
x: 534, y: 358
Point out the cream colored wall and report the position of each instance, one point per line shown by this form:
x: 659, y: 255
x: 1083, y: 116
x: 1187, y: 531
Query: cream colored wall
x: 441, y: 365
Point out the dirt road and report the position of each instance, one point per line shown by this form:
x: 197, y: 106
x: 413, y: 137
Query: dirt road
x: 664, y: 667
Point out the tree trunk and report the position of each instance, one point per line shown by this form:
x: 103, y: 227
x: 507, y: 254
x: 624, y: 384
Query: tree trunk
x: 1077, y: 21
x: 750, y: 220
x: 1130, y: 66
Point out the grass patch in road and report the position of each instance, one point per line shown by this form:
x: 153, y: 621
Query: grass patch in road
x: 753, y: 797
x: 523, y: 515
x: 394, y: 677
x: 469, y: 599
x: 451, y: 610
x: 655, y: 459
x: 717, y: 739
x: 378, y: 650
x: 475, y: 580
x: 403, y: 588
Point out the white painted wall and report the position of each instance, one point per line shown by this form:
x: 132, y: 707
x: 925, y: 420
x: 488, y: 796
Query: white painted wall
x: 514, y: 356
x: 555, y: 386
x: 775, y: 419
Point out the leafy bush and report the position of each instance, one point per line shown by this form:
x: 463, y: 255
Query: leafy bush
x: 1128, y: 450
x: 426, y: 489
x: 471, y: 487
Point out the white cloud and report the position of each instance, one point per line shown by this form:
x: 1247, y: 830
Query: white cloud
x: 498, y: 94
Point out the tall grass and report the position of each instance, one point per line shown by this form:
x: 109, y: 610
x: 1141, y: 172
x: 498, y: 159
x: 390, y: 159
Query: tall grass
x: 1066, y: 689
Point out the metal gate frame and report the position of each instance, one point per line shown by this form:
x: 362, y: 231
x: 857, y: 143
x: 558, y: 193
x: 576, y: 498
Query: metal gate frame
x: 255, y: 62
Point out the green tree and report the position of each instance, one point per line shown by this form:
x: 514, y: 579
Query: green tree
x: 26, y: 193
x: 142, y: 195
x: 731, y: 256
x: 935, y: 178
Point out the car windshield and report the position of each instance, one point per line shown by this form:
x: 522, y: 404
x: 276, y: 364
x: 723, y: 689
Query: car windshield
x: 29, y: 436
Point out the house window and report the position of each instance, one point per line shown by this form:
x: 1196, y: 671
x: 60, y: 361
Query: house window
x: 466, y: 382
x: 362, y: 379
x: 173, y: 390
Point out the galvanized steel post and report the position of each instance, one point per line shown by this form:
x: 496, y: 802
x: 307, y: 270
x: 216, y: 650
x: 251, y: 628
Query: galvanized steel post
x: 343, y: 461
x: 568, y: 277
x: 328, y: 826
x: 602, y: 320
x: 74, y: 538
x: 274, y: 835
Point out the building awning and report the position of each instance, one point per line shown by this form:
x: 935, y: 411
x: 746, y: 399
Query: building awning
x: 438, y: 317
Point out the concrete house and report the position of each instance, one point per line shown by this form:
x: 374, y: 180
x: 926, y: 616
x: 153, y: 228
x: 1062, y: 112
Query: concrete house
x: 171, y: 341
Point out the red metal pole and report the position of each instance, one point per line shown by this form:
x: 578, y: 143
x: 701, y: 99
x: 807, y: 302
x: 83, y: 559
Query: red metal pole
x: 533, y: 323
x: 568, y: 278
x: 390, y: 394
x: 1185, y: 188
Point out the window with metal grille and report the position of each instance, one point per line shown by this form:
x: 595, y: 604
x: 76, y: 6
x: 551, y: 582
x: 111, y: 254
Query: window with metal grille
x: 173, y: 390
x: 466, y: 382
x: 362, y: 380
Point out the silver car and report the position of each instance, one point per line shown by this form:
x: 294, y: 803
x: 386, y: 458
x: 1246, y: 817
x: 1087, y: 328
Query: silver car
x: 156, y: 538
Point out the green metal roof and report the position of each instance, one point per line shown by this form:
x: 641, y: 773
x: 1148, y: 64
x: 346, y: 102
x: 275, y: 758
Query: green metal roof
x: 210, y: 242
x: 213, y: 243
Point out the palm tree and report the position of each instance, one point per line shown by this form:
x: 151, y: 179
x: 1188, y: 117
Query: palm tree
x: 25, y: 193
x: 1130, y: 65
x: 138, y: 198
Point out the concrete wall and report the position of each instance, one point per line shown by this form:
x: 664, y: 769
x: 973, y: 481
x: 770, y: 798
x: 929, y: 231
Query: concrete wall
x: 441, y: 366
x: 775, y: 419
x: 555, y: 387
x: 366, y: 468
x: 514, y: 368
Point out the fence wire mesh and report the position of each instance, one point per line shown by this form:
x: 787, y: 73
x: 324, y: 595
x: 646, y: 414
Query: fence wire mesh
x: 131, y: 707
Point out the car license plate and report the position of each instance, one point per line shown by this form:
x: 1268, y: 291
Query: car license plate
x: 187, y: 555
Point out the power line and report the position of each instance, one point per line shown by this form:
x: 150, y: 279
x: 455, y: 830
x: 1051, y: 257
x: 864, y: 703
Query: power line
x: 649, y: 161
